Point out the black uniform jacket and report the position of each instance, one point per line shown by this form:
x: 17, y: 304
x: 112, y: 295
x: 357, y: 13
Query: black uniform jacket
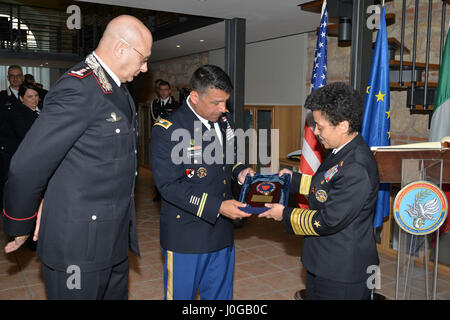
x: 82, y: 148
x: 162, y: 111
x: 9, y: 139
x: 7, y: 97
x: 339, y: 241
x: 193, y: 191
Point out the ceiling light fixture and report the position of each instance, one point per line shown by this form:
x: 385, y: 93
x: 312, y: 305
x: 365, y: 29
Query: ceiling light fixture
x: 178, y: 46
x: 202, y: 40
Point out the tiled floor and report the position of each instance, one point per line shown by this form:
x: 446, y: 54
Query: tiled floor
x: 267, y: 261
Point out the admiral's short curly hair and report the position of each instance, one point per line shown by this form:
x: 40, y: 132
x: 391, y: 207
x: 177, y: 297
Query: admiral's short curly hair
x: 210, y: 76
x: 338, y: 102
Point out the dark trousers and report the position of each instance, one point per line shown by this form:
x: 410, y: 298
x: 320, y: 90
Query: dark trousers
x: 318, y: 288
x: 107, y: 284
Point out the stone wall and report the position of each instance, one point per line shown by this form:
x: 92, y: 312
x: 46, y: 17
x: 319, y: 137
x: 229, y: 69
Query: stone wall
x: 406, y: 126
x: 176, y: 71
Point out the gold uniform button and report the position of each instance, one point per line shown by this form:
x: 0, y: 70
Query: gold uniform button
x: 224, y: 195
x: 178, y: 216
x: 224, y: 181
x: 223, y: 168
x: 117, y: 130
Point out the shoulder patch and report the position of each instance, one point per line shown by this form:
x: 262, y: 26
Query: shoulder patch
x: 163, y: 123
x: 81, y: 73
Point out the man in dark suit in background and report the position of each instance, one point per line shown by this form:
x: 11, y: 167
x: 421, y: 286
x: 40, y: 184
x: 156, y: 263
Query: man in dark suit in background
x: 339, y: 243
x: 87, y: 161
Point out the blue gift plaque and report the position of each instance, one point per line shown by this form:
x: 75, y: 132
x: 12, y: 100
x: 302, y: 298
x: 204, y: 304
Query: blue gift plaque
x: 261, y: 189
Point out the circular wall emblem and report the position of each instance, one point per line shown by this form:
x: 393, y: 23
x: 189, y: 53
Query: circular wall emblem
x: 420, y: 208
x: 265, y: 188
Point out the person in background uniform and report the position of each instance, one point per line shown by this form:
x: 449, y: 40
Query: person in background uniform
x: 161, y: 108
x: 29, y: 78
x: 86, y: 160
x: 197, y: 206
x: 339, y: 241
x: 8, y: 100
x: 166, y: 103
x: 10, y: 96
x: 20, y: 118
x: 155, y: 101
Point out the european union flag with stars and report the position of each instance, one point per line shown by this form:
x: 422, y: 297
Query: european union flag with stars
x: 319, y: 73
x: 377, y: 112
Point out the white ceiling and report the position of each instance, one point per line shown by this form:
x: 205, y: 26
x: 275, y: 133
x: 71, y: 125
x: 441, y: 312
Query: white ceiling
x: 265, y: 19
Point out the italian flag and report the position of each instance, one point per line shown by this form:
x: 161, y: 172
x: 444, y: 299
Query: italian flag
x: 440, y: 122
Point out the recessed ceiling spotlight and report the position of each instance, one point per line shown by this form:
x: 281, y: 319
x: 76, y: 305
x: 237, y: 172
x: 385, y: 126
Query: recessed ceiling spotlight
x: 178, y: 46
x: 202, y: 40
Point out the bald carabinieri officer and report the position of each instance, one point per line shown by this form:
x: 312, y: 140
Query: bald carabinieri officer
x: 82, y: 152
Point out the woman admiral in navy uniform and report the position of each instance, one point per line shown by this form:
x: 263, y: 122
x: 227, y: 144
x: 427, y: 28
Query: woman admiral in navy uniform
x: 339, y: 244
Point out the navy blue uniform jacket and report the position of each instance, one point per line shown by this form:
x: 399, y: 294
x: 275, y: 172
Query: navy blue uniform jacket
x: 339, y: 242
x: 192, y: 192
x: 82, y: 149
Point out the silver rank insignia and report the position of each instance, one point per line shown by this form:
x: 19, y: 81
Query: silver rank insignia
x: 321, y: 195
x: 114, y: 118
x: 201, y: 172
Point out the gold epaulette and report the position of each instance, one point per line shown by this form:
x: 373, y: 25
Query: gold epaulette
x: 305, y: 184
x: 163, y: 123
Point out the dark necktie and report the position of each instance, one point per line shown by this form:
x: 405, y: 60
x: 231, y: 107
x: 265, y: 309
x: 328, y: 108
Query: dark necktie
x: 211, y: 124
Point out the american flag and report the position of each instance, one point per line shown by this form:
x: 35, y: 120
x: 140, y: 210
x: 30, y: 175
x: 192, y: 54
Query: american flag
x: 319, y: 73
x: 311, y: 148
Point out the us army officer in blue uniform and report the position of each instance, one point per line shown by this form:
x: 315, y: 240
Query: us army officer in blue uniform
x: 197, y: 206
x: 82, y: 149
x: 339, y: 243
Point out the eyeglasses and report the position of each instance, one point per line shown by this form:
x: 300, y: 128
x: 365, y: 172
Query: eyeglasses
x: 144, y: 59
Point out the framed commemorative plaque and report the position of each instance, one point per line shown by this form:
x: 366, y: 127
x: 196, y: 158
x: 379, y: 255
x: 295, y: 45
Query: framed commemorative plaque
x: 261, y: 189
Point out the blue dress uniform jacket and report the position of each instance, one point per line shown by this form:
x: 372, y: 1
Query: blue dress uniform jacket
x: 339, y: 242
x: 82, y: 149
x: 193, y: 191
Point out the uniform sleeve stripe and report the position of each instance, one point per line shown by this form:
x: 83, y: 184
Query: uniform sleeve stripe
x: 301, y: 222
x: 305, y: 183
x: 202, y: 205
x: 308, y: 225
x: 295, y: 221
x: 237, y: 164
x: 311, y: 216
x: 24, y: 219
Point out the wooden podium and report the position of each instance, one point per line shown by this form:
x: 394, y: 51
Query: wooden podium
x: 390, y: 162
x: 405, y: 164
